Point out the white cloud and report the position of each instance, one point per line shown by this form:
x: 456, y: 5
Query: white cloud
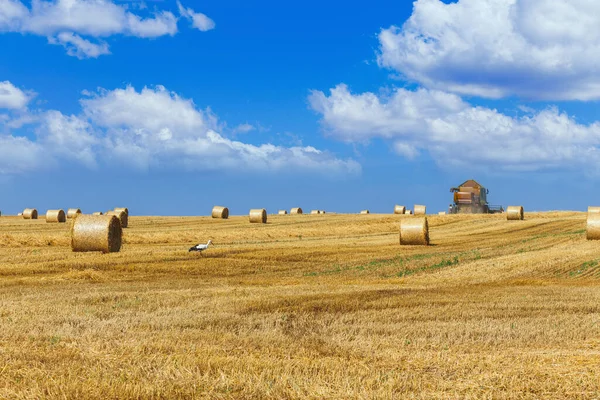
x: 73, y: 23
x: 456, y: 133
x: 199, y: 21
x: 150, y: 128
x: 11, y: 97
x: 244, y: 128
x: 541, y: 49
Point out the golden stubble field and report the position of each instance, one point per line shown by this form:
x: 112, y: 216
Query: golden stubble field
x: 309, y: 306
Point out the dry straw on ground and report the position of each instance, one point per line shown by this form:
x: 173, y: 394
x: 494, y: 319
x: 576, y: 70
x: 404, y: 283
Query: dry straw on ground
x: 98, y: 213
x: 122, y: 215
x: 420, y: 210
x: 55, y: 216
x: 30, y: 213
x: 399, y: 209
x: 282, y: 212
x: 96, y: 233
x: 71, y: 212
x: 364, y: 212
x: 592, y: 230
x: 258, y: 216
x: 592, y: 209
x: 296, y: 210
x: 414, y: 231
x: 220, y: 212
x: 514, y: 213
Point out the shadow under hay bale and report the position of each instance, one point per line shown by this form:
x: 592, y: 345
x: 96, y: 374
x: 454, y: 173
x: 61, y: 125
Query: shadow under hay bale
x: 71, y: 212
x: 515, y: 213
x: 420, y: 210
x: 258, y: 216
x: 296, y: 210
x: 414, y: 231
x: 123, y: 217
x: 56, y: 216
x: 30, y: 213
x: 96, y: 233
x: 220, y: 212
x: 399, y: 209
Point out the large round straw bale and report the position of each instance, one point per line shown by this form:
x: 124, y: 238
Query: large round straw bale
x: 123, y: 217
x: 282, y: 212
x: 96, y: 233
x: 220, y: 212
x: 593, y: 226
x: 296, y: 210
x: 30, y: 213
x: 315, y: 212
x: 258, y: 216
x: 514, y: 213
x: 414, y: 231
x: 125, y: 209
x: 420, y: 210
x: 71, y: 212
x: 55, y: 216
x: 399, y: 209
x: 593, y: 210
x: 321, y: 211
x: 364, y: 212
x: 408, y: 212
x: 442, y: 213
x: 98, y: 213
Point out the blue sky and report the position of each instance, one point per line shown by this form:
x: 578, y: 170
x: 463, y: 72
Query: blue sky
x: 169, y: 108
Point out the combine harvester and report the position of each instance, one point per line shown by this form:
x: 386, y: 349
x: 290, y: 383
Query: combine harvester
x: 471, y: 198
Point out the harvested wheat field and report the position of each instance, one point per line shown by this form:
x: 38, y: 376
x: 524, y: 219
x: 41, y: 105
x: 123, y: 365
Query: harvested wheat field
x: 303, y: 307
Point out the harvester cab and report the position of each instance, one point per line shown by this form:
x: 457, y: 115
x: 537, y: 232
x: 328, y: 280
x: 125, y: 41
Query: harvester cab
x: 471, y: 198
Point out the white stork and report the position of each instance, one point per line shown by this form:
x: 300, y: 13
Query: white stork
x: 201, y: 247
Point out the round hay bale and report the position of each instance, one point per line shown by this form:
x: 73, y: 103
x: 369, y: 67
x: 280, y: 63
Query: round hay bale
x: 514, y: 213
x: 96, y: 233
x: 592, y: 229
x: 296, y: 210
x: 399, y: 209
x: 315, y: 212
x: 125, y: 209
x: 408, y: 212
x: 414, y: 231
x: 322, y: 212
x: 593, y: 210
x: 442, y: 213
x: 364, y: 212
x: 71, y: 212
x: 30, y: 213
x: 98, y: 213
x: 258, y: 216
x: 56, y: 216
x: 123, y: 217
x: 420, y: 210
x: 220, y: 212
x: 282, y: 212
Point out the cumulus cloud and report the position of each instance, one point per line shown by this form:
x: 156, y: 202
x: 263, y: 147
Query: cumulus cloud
x: 199, y: 21
x: 150, y: 128
x: 457, y: 133
x: 11, y: 97
x: 539, y: 49
x: 74, y: 23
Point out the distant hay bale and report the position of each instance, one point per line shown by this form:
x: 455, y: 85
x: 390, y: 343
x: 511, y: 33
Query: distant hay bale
x: 98, y: 213
x: 282, y: 212
x: 399, y: 209
x: 420, y: 210
x: 96, y: 233
x: 408, y: 212
x: 258, y: 216
x: 30, y: 213
x: 125, y: 209
x: 315, y: 211
x: 593, y: 210
x: 55, y: 216
x: 442, y: 213
x: 71, y: 212
x: 296, y: 210
x: 122, y: 215
x: 364, y: 212
x: 220, y: 212
x: 321, y: 211
x: 414, y: 231
x: 592, y: 229
x: 514, y: 213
